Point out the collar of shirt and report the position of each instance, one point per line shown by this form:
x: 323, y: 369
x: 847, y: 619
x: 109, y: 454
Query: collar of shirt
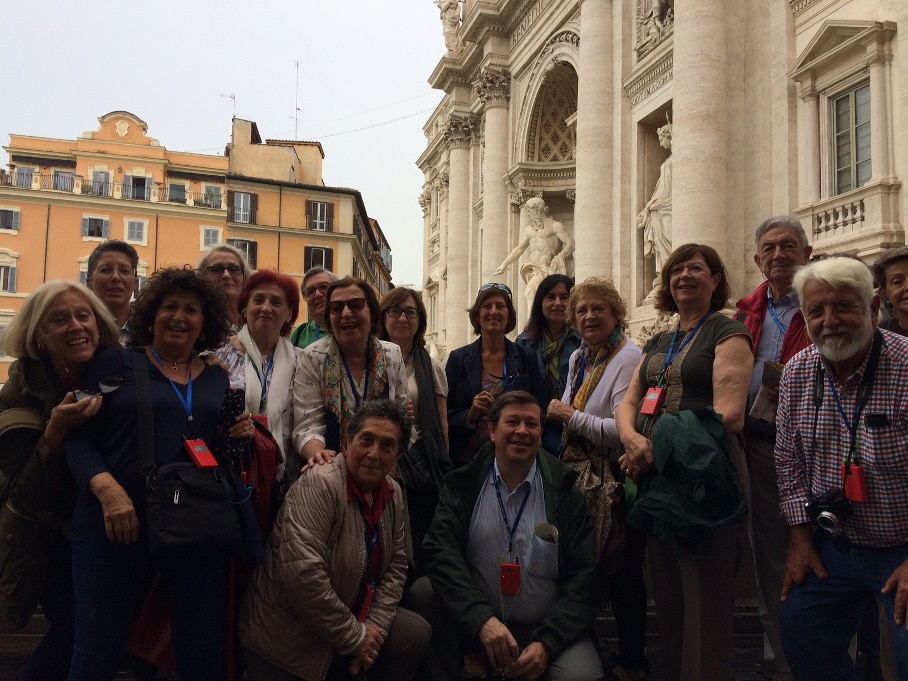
x: 497, y: 475
x: 787, y: 302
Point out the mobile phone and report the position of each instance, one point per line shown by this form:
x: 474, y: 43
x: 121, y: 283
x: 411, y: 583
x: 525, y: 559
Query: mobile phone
x: 83, y: 395
x: 510, y: 579
x: 200, y: 454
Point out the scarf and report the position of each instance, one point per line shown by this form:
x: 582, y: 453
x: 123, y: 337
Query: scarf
x: 277, y: 383
x: 551, y: 358
x: 339, y: 394
x: 593, y: 359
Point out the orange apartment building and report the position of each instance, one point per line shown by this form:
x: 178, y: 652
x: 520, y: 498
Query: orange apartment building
x: 60, y: 198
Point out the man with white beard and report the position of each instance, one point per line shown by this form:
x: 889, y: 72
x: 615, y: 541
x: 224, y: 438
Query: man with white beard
x: 842, y: 461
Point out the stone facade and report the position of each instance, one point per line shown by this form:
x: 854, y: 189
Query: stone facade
x: 782, y: 106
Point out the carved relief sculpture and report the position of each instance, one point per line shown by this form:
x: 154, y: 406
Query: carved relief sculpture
x: 449, y: 13
x: 548, y: 244
x: 654, y: 24
x: 656, y: 217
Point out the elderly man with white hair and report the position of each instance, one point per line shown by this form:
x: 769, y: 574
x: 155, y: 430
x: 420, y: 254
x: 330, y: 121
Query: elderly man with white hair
x: 842, y: 461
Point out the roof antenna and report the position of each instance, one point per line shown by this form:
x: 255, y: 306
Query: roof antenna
x: 296, y: 110
x: 232, y: 98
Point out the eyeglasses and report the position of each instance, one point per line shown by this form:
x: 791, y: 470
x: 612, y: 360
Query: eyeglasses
x: 218, y: 270
x: 408, y: 312
x: 318, y: 288
x: 336, y: 307
x: 493, y: 286
x: 124, y: 272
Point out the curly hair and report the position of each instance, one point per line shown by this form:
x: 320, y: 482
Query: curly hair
x: 394, y: 298
x: 170, y: 280
x: 495, y: 290
x: 387, y: 410
x: 537, y: 322
x: 368, y: 294
x: 602, y: 288
x: 664, y: 300
x: 266, y: 278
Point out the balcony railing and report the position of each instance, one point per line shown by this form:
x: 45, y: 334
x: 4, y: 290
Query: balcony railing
x: 76, y: 184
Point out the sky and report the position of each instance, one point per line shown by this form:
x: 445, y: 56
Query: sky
x: 362, y: 84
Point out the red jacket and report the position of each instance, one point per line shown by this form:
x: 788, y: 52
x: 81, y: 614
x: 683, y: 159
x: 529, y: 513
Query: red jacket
x: 752, y: 311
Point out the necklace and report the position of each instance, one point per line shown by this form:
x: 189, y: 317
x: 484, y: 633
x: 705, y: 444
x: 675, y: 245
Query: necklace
x: 174, y: 363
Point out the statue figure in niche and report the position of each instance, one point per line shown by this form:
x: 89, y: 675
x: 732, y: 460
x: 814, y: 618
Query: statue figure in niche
x: 548, y: 244
x: 654, y: 24
x: 449, y: 13
x: 656, y: 217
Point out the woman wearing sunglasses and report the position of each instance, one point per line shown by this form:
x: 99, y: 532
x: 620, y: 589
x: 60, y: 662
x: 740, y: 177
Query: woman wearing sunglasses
x: 477, y: 373
x: 336, y: 374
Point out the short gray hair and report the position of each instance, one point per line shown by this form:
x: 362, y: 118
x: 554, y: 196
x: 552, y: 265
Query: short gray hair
x: 837, y: 272
x: 312, y: 271
x: 248, y: 270
x: 786, y: 221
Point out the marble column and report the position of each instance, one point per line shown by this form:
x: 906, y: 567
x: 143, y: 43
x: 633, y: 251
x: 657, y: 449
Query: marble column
x: 459, y: 137
x: 700, y: 138
x: 811, y: 163
x: 879, y: 119
x: 593, y: 209
x: 493, y: 88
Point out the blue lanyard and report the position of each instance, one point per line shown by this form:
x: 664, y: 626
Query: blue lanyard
x: 852, y: 426
x: 504, y: 514
x: 409, y: 357
x: 356, y: 396
x: 672, y: 353
x: 263, y: 380
x: 187, y: 401
x: 778, y: 321
x: 318, y: 330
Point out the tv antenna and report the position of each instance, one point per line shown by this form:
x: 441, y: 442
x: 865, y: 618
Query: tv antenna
x: 232, y: 98
x: 296, y: 109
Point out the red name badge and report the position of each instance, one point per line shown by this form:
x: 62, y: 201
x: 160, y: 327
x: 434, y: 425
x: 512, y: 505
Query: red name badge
x: 510, y: 579
x: 855, y: 488
x: 261, y: 418
x: 652, y: 401
x: 200, y: 454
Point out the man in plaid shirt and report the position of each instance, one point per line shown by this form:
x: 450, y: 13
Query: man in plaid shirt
x: 843, y: 434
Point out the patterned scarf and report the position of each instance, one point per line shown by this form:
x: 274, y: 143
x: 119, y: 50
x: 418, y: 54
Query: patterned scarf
x: 551, y: 357
x: 593, y: 358
x: 339, y: 397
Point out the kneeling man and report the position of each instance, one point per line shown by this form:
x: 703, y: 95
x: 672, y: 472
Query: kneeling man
x: 511, y: 557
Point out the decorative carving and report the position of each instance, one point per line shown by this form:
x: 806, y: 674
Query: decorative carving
x: 571, y: 195
x: 655, y: 219
x: 449, y: 13
x: 441, y: 184
x: 654, y: 77
x: 551, y: 138
x: 518, y: 194
x: 493, y: 87
x: 425, y: 202
x: 798, y: 6
x: 528, y: 14
x: 458, y: 130
x: 122, y: 128
x: 655, y: 22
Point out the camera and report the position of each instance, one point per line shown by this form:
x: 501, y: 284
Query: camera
x: 829, y: 509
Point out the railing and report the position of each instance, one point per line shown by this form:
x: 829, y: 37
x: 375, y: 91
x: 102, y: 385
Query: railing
x: 152, y: 192
x: 243, y: 215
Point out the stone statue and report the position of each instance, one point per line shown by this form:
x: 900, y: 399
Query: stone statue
x: 654, y: 25
x: 656, y: 217
x: 549, y: 246
x: 449, y: 12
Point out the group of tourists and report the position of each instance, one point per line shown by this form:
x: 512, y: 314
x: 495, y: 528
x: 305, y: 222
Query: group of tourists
x: 440, y: 522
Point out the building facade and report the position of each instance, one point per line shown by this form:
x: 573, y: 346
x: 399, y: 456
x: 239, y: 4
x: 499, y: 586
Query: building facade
x: 646, y: 124
x: 60, y: 198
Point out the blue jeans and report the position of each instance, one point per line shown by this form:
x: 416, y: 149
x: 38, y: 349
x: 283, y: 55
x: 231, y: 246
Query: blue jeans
x: 820, y: 617
x: 110, y: 581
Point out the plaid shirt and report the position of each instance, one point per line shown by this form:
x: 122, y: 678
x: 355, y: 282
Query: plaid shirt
x: 808, y: 458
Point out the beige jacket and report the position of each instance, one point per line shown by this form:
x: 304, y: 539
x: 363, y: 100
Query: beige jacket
x: 297, y: 609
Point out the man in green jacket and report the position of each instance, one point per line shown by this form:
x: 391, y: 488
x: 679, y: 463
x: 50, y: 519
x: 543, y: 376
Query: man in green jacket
x: 511, y: 558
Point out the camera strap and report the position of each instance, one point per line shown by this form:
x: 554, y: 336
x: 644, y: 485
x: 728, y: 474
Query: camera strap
x: 863, y: 397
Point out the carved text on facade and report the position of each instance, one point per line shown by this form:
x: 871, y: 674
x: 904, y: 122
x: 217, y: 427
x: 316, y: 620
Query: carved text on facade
x: 653, y: 78
x: 527, y: 19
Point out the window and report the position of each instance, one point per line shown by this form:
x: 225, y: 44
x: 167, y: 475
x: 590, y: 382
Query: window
x: 135, y: 230
x: 24, y: 177
x: 212, y: 197
x: 9, y: 218
x: 177, y: 193
x: 316, y: 256
x: 250, y: 250
x: 320, y: 216
x: 210, y: 236
x: 63, y: 181
x: 8, y: 278
x: 242, y: 207
x: 138, y: 188
x: 851, y: 138
x: 96, y: 227
x: 100, y: 183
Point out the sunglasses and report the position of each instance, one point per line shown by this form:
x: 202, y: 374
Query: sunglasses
x: 318, y: 288
x: 497, y: 287
x: 336, y: 307
x: 218, y: 270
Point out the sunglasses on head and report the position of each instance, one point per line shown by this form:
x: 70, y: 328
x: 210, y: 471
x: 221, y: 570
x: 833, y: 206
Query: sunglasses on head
x: 497, y: 287
x: 336, y: 307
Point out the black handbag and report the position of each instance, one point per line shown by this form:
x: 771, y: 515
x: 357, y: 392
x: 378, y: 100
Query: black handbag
x: 414, y: 469
x: 189, y: 509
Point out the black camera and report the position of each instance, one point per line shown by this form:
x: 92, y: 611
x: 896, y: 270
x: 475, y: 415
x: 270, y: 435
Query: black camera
x: 829, y: 509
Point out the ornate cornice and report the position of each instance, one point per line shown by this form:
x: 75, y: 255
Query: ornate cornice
x: 656, y: 75
x: 526, y: 180
x: 458, y: 131
x: 493, y: 87
x: 798, y: 6
x: 425, y: 202
x: 527, y: 15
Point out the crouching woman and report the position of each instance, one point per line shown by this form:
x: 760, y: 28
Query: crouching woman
x: 324, y: 603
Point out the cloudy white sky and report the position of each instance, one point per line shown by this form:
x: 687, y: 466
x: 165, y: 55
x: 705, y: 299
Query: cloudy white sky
x: 363, y: 66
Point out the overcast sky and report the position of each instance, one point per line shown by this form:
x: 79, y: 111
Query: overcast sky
x: 363, y: 66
